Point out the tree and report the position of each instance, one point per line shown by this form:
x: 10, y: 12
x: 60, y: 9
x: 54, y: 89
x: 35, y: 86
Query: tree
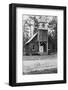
x: 52, y: 37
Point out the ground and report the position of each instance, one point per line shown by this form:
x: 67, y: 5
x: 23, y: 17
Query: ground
x: 40, y: 64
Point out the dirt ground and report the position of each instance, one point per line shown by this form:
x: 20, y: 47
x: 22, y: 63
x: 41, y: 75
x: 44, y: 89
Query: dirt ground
x: 39, y: 64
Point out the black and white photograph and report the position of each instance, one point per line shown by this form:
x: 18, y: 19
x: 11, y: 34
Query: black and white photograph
x: 39, y: 44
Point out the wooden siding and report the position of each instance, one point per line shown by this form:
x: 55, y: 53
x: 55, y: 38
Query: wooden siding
x: 43, y: 35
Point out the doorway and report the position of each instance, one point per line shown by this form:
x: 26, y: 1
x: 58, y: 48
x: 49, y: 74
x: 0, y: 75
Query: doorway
x: 44, y: 44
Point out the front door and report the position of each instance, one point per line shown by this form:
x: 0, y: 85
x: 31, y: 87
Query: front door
x: 41, y: 49
x: 43, y: 44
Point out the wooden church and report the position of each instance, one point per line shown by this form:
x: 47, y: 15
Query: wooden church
x: 38, y: 43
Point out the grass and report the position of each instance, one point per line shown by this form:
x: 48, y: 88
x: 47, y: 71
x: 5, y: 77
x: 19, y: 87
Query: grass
x: 46, y: 71
x: 40, y: 64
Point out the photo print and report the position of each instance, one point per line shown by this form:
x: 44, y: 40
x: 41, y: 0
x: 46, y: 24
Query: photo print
x: 39, y: 44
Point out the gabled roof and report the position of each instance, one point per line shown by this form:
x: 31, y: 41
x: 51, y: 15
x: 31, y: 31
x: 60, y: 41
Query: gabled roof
x: 31, y: 38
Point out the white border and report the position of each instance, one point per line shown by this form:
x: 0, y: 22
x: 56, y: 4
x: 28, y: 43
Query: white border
x: 20, y: 78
